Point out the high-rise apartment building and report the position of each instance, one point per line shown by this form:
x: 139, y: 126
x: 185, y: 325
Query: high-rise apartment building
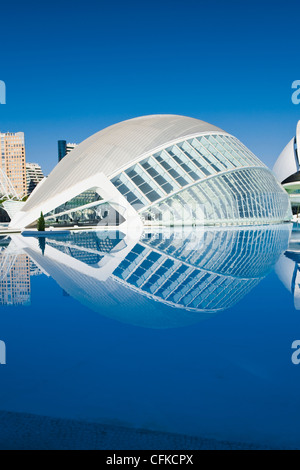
x: 34, y: 175
x: 13, y: 162
x: 64, y: 148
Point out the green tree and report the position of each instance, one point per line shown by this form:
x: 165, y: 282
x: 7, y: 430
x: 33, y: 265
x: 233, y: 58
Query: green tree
x: 41, y: 223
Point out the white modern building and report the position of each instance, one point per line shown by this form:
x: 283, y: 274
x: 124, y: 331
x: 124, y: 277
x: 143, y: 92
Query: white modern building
x: 198, y: 273
x: 288, y: 267
x: 287, y: 170
x: 162, y: 170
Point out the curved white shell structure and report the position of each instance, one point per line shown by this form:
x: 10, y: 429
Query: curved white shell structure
x: 288, y: 163
x: 162, y: 169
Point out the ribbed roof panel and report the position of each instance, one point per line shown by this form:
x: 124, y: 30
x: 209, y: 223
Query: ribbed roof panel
x: 115, y: 147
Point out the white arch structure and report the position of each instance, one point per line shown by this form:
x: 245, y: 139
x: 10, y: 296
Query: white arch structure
x: 7, y: 190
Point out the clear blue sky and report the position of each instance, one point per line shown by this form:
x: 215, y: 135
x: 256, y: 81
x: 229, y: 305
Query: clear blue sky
x: 72, y: 68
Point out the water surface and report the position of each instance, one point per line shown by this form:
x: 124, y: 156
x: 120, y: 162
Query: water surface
x: 179, y: 331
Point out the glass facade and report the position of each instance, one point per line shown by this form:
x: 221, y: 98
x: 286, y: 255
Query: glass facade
x: 88, y: 247
x: 88, y: 208
x: 244, y: 196
x: 62, y: 149
x: 211, y: 272
x: 209, y: 179
x: 87, y: 197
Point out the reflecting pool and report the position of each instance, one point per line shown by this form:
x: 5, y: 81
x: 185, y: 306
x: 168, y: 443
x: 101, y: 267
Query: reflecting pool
x: 185, y: 331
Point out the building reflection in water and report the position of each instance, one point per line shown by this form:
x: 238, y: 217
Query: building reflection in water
x: 288, y: 266
x: 14, y: 275
x: 136, y: 279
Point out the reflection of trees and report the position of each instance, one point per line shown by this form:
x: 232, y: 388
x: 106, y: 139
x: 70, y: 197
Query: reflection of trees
x: 42, y: 244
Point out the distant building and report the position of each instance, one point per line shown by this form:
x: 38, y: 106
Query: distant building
x: 34, y: 175
x: 13, y: 162
x: 64, y: 148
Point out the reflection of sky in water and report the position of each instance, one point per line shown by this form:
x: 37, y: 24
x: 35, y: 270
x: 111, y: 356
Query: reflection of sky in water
x: 230, y: 377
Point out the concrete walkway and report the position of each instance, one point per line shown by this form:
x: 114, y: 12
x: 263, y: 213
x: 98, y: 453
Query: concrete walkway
x: 29, y: 432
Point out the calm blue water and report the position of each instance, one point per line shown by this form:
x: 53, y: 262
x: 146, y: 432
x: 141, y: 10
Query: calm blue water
x: 179, y: 331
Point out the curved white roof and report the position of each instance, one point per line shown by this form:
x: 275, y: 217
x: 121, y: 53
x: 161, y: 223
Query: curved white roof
x: 288, y: 161
x: 115, y: 147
